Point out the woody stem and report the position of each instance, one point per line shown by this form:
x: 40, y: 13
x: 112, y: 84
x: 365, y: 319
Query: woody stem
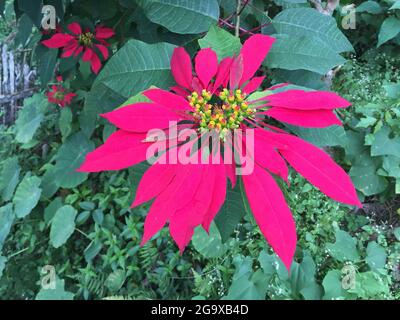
x: 238, y: 12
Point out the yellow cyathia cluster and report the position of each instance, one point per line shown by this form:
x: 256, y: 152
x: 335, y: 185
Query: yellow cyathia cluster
x: 86, y: 39
x: 223, y: 116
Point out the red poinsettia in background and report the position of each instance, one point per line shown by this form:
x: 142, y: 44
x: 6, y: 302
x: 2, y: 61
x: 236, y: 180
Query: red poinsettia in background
x: 88, y: 43
x: 59, y: 95
x: 217, y: 98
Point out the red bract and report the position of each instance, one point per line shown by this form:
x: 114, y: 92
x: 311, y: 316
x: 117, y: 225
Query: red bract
x: 217, y: 99
x: 87, y: 42
x: 59, y: 95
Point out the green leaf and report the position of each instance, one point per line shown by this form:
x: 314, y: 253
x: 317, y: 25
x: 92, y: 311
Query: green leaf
x: 302, y: 279
x: 232, y: 211
x: 370, y: 285
x: 135, y: 99
x: 391, y: 165
x: 305, y: 53
x: 134, y: 68
x: 395, y: 5
x: 370, y: 7
x: 62, y: 226
x: 30, y: 118
x: 221, y: 41
x: 376, y: 256
x: 364, y: 175
x: 25, y: 26
x: 9, y: 178
x: 182, y: 16
x: 3, y: 261
x: 246, y: 285
x: 390, y: 28
x: 47, y: 61
x: 69, y: 157
x: 309, y: 22
x: 2, y: 6
x: 322, y: 137
x: 98, y: 216
x: 366, y: 122
x: 332, y: 284
x: 302, y: 78
x: 65, y: 122
x: 6, y: 221
x: 209, y: 245
x: 364, y: 167
x: 27, y: 195
x: 52, y: 208
x: 115, y: 280
x: 92, y: 250
x: 58, y: 293
x: 396, y: 233
x: 50, y: 184
x: 33, y: 9
x: 344, y: 249
x: 392, y: 90
x: 385, y: 145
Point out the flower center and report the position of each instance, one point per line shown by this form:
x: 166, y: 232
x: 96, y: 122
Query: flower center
x: 59, y: 95
x: 86, y: 39
x: 223, y: 113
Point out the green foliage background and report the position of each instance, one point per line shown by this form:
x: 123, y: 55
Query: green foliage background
x: 82, y: 226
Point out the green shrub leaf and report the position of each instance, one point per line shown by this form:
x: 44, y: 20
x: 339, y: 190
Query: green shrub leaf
x: 62, y: 226
x: 27, y: 195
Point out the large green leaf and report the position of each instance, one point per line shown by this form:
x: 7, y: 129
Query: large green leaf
x: 332, y: 284
x: 376, y: 256
x: 344, y: 249
x: 309, y: 22
x: 47, y: 62
x: 62, y: 226
x: 231, y: 213
x: 27, y: 195
x: 302, y: 279
x: 2, y: 6
x: 395, y: 5
x: 33, y: 9
x: 182, y: 16
x: 58, y: 293
x: 305, y: 53
x: 364, y: 175
x: 322, y: 137
x: 221, y: 41
x: 303, y: 78
x: 208, y: 244
x: 134, y: 68
x: 384, y: 144
x: 247, y: 285
x: 390, y: 28
x: 364, y: 167
x: 69, y: 157
x: 65, y: 122
x: 372, y: 7
x: 3, y: 261
x: 30, y: 117
x: 6, y: 221
x: 9, y: 178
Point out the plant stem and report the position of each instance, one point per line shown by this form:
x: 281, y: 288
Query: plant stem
x: 238, y: 12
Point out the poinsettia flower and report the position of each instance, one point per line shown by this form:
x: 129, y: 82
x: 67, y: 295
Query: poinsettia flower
x: 88, y: 43
x: 59, y: 95
x: 217, y: 98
